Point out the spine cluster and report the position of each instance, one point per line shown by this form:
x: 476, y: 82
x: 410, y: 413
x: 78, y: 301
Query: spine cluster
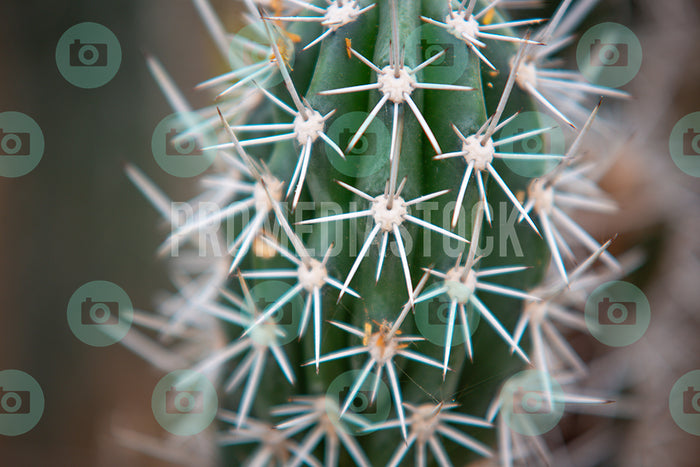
x: 353, y: 377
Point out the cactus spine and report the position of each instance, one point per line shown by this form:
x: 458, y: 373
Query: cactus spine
x: 440, y: 120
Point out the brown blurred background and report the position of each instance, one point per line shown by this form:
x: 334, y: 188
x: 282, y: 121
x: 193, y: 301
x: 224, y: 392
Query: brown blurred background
x: 76, y: 217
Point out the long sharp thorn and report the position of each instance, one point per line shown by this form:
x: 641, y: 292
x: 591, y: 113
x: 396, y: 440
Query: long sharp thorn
x: 358, y: 260
x: 448, y: 336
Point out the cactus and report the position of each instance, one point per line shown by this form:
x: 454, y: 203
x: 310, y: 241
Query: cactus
x: 437, y: 123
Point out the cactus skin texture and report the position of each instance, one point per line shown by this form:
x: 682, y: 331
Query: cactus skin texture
x: 470, y: 385
x: 376, y: 328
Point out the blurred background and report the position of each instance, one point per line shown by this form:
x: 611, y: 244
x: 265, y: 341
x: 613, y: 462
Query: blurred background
x: 76, y: 218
